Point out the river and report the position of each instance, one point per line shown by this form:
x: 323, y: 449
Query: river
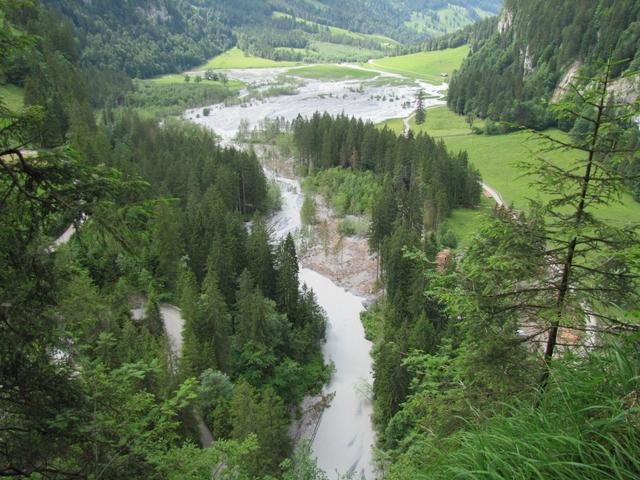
x: 382, y: 97
x: 344, y: 438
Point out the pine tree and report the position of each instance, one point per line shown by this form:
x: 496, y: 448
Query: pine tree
x: 272, y: 425
x: 591, y: 263
x: 260, y: 258
x: 308, y: 210
x: 168, y: 244
x: 287, y: 276
x: 421, y: 114
x: 152, y: 316
x: 215, y: 320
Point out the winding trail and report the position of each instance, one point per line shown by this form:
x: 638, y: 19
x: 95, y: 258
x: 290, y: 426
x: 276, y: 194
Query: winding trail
x: 173, y: 325
x: 494, y: 194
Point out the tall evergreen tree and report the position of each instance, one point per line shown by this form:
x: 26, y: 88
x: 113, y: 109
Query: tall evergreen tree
x: 216, y: 320
x: 288, y: 288
x: 260, y: 258
x: 421, y: 114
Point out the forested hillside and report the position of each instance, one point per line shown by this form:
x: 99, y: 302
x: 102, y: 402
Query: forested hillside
x: 156, y: 319
x: 517, y: 357
x: 512, y: 75
x: 145, y: 38
x: 92, y: 383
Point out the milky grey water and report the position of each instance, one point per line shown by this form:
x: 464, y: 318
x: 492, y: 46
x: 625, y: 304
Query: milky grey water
x: 369, y: 99
x: 345, y: 437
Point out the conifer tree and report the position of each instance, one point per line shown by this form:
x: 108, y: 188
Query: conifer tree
x: 421, y: 114
x: 272, y: 425
x: 216, y: 321
x: 287, y: 279
x: 591, y: 261
x: 152, y: 316
x: 260, y: 258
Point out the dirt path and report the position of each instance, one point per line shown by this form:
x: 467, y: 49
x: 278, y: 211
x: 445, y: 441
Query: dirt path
x: 494, y: 194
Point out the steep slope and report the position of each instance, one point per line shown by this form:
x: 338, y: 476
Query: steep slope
x: 404, y: 20
x: 145, y: 37
x: 150, y: 37
x: 513, y: 73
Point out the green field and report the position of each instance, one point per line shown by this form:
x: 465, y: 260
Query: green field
x: 464, y: 222
x: 384, y: 41
x: 12, y: 96
x: 236, y: 58
x: 424, y: 65
x: 331, y: 72
x: 179, y: 79
x: 396, y: 125
x: 496, y: 158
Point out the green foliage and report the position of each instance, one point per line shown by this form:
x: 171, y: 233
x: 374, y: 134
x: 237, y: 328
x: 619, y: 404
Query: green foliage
x: 420, y: 115
x: 308, y: 210
x: 287, y: 270
x: 350, y: 227
x: 303, y: 466
x: 422, y: 173
x: 585, y: 428
x: 260, y: 262
x: 145, y: 38
x: 104, y: 396
x: 173, y: 99
x: 214, y: 395
x: 152, y: 317
x: 265, y: 417
x: 347, y: 192
x: 494, y: 81
x: 473, y: 404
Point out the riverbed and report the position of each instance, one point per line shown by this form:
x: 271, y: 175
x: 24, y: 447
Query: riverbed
x: 380, y: 98
x: 344, y: 437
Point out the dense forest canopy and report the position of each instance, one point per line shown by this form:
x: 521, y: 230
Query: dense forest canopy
x: 513, y: 356
x: 89, y: 387
x: 146, y: 38
x: 513, y: 73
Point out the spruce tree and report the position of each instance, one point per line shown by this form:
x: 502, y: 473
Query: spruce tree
x: 216, y: 321
x: 591, y: 261
x: 260, y: 258
x: 287, y: 279
x: 272, y: 425
x: 152, y: 316
x: 421, y: 114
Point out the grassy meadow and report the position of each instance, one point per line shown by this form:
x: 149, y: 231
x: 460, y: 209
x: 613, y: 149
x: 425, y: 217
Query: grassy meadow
x: 12, y: 96
x: 424, y: 65
x: 332, y: 72
x: 236, y: 58
x: 497, y: 158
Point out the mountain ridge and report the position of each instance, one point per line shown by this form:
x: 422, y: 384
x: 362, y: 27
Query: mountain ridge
x: 147, y: 38
x: 513, y: 74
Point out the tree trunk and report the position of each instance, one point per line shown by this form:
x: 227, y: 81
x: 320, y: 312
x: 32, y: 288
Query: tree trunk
x: 563, y: 288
